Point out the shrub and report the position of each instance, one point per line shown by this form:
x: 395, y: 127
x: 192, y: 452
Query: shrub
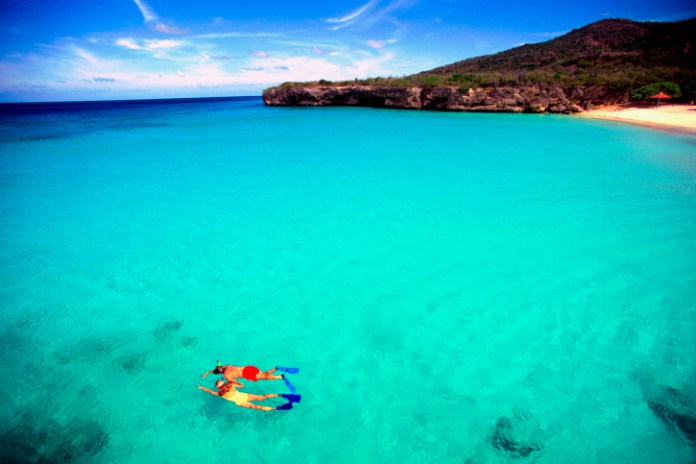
x: 670, y: 88
x: 431, y: 81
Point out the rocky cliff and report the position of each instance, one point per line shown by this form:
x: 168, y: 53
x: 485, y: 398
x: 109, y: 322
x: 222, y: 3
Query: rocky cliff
x: 530, y: 99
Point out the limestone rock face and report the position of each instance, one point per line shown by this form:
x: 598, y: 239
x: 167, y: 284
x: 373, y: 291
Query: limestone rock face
x: 358, y: 95
x: 529, y: 99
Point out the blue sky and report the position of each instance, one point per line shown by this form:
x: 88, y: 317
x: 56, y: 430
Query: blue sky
x: 52, y: 50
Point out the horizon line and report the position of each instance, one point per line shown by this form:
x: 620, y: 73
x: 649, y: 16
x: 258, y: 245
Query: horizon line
x: 129, y: 100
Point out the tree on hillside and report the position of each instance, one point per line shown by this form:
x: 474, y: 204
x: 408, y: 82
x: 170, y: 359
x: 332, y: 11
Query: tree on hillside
x: 670, y: 88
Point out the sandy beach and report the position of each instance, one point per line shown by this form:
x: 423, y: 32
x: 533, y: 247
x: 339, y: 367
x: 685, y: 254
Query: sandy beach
x: 673, y: 118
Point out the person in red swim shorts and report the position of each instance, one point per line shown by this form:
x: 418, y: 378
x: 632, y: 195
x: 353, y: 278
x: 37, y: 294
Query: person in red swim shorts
x: 232, y: 373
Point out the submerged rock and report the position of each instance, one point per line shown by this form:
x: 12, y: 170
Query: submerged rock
x: 677, y: 411
x: 132, y: 363
x: 38, y: 440
x: 164, y: 331
x: 513, y: 437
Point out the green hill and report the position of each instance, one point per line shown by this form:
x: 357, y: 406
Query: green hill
x: 616, y: 53
x: 600, y: 63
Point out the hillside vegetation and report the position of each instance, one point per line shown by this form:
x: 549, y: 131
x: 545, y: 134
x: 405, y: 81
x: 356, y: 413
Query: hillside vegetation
x: 615, y: 55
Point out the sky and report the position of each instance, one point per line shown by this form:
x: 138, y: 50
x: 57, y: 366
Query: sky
x: 67, y: 50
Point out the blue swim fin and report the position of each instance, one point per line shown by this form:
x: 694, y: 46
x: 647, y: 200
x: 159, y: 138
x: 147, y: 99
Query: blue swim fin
x: 290, y: 386
x: 292, y: 398
x: 284, y: 407
x: 289, y: 370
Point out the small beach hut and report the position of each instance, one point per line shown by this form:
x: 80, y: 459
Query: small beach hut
x: 660, y: 96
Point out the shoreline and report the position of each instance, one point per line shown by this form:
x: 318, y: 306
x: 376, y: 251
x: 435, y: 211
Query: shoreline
x: 673, y: 118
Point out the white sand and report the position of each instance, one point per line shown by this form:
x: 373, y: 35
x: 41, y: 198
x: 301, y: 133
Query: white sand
x: 677, y: 118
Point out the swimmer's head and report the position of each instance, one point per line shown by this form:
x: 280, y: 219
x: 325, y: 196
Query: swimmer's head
x: 218, y: 370
x: 219, y: 384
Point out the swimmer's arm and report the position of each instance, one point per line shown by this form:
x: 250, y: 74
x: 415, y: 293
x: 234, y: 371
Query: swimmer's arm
x: 206, y: 373
x: 236, y: 383
x: 208, y: 390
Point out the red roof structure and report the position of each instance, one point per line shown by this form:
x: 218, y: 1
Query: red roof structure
x: 660, y: 95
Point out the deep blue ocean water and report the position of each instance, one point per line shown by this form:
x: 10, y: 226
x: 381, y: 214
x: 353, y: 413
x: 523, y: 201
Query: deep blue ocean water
x: 456, y: 288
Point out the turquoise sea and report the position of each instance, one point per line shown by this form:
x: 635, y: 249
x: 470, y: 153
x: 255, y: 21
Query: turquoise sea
x: 455, y: 288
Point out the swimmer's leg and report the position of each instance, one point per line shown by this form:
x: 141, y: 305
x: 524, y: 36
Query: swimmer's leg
x: 262, y: 397
x: 251, y: 398
x: 256, y: 406
x: 268, y: 375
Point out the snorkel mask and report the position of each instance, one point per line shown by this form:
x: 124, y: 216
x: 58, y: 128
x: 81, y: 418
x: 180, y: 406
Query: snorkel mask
x: 218, y: 369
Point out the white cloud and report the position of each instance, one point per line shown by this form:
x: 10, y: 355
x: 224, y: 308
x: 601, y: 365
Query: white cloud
x: 129, y: 43
x: 361, y: 18
x: 148, y: 13
x: 350, y: 17
x: 380, y: 44
x: 140, y: 64
x: 69, y: 70
x: 157, y: 44
x: 161, y: 27
x: 312, y: 68
x: 152, y: 20
x: 88, y: 57
x: 374, y: 66
x: 148, y: 44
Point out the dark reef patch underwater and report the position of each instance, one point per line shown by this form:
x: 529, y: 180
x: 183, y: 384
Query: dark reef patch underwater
x: 42, y: 440
x: 677, y: 411
x: 510, y: 438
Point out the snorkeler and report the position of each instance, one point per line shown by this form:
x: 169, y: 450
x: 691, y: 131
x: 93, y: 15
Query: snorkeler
x: 244, y: 400
x: 232, y: 373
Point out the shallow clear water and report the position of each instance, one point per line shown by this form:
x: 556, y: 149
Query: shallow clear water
x: 454, y: 287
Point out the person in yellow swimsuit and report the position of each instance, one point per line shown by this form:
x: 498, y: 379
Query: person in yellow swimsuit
x: 227, y: 391
x: 232, y: 373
